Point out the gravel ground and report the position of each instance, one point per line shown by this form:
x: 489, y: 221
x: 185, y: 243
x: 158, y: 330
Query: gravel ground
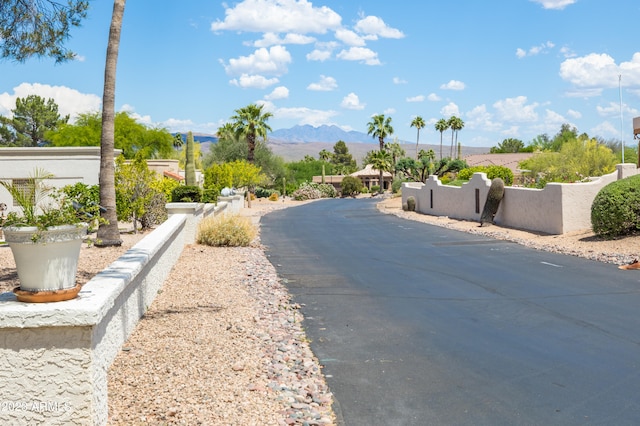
x: 222, y: 344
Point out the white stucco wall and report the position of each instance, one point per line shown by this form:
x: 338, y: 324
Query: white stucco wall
x: 556, y: 209
x: 54, y: 357
x: 68, y: 165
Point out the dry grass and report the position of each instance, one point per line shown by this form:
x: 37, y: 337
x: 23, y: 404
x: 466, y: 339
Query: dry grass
x: 226, y: 231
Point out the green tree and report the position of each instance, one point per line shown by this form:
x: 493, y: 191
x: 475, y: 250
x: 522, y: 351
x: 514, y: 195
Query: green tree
x: 131, y: 137
x: 108, y: 232
x: 418, y: 123
x: 38, y: 28
x: 325, y: 155
x: 577, y: 160
x: 455, y: 124
x: 441, y: 126
x: 32, y: 118
x: 380, y: 127
x: 251, y: 123
x: 342, y: 160
x: 350, y: 186
x: 383, y: 162
x: 508, y: 145
x: 396, y: 152
x: 135, y: 191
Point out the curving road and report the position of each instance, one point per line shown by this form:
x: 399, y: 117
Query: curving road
x: 421, y: 325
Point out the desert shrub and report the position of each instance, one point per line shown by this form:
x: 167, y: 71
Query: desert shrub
x: 210, y: 195
x: 492, y: 172
x: 375, y: 189
x: 351, y: 186
x: 186, y: 194
x: 396, y: 185
x: 273, y: 196
x: 314, y: 191
x: 265, y: 193
x: 226, y: 231
x: 616, y: 209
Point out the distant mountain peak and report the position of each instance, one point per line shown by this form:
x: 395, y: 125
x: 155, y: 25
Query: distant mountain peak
x: 324, y: 133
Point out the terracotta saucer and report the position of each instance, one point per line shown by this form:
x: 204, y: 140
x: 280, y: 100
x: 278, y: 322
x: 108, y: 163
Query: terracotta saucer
x: 47, y: 296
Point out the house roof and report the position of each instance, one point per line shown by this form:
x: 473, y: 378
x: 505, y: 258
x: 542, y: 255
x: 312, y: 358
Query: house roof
x: 510, y: 160
x: 370, y: 171
x: 173, y: 175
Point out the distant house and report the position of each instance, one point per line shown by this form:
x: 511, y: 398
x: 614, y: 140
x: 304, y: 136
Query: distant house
x: 510, y: 160
x: 68, y: 165
x: 369, y: 176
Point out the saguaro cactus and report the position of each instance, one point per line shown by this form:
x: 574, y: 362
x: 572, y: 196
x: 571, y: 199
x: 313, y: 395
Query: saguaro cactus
x: 494, y: 197
x: 190, y: 162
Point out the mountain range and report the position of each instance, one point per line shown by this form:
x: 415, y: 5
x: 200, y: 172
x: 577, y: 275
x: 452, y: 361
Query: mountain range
x: 299, y: 141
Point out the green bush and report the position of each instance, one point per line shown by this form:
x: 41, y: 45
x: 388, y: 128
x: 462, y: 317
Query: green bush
x: 186, y: 194
x: 226, y: 231
x: 492, y: 172
x: 411, y: 204
x: 210, y: 195
x: 375, y: 189
x: 616, y: 209
x: 396, y: 185
x: 351, y: 186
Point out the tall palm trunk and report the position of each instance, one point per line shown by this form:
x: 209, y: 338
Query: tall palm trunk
x: 451, y: 151
x: 108, y: 233
x: 441, y: 145
x: 417, y: 143
x: 381, y: 140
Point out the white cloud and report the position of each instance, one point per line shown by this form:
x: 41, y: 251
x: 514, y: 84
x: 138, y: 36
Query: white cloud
x: 362, y: 54
x: 279, y: 92
x: 516, y: 110
x: 326, y: 84
x: 373, y: 27
x: 278, y: 16
x: 419, y: 98
x: 271, y: 39
x: 273, y: 61
x: 433, y: 97
x: 304, y: 115
x: 453, y: 85
x: 351, y: 101
x: 70, y: 101
x: 574, y: 114
x: 600, y: 71
x: 319, y: 55
x: 480, y: 118
x: 398, y: 80
x: 605, y: 129
x: 349, y: 37
x: 450, y: 110
x: 535, y: 50
x: 253, y: 81
x: 555, y: 4
x: 389, y: 111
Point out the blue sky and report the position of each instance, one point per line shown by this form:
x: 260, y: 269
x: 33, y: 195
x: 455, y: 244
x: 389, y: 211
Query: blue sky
x: 508, y: 68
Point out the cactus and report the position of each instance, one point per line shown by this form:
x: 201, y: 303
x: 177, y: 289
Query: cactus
x: 411, y: 204
x: 494, y: 197
x: 190, y: 163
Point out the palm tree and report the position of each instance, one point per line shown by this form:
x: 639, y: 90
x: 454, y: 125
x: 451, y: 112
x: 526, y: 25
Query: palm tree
x: 108, y: 232
x: 456, y: 124
x: 250, y: 122
x: 178, y: 141
x: 324, y: 155
x: 380, y: 127
x: 441, y: 126
x: 418, y: 123
x: 382, y: 161
x: 396, y: 152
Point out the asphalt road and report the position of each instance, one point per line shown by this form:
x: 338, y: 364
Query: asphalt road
x: 421, y: 325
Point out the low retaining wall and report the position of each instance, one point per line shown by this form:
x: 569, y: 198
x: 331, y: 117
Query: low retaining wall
x: 54, y: 357
x: 556, y: 209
